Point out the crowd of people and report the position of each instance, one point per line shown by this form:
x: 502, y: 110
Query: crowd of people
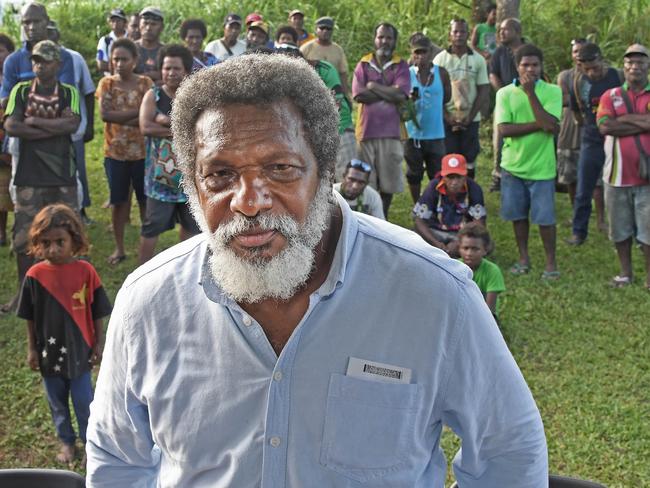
x: 590, y: 132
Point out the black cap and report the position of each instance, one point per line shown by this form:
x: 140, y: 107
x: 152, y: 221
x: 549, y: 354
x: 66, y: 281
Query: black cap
x: 117, y: 12
x: 326, y: 22
x: 232, y: 19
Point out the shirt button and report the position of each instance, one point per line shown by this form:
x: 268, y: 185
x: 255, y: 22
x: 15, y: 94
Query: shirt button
x: 247, y: 321
x: 277, y: 376
x: 274, y: 441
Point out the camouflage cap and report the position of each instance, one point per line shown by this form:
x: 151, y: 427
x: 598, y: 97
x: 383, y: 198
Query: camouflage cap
x: 46, y: 50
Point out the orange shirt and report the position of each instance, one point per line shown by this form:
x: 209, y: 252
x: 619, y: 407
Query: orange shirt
x: 122, y: 142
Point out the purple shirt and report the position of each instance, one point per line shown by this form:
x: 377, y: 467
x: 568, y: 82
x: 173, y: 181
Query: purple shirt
x: 380, y: 119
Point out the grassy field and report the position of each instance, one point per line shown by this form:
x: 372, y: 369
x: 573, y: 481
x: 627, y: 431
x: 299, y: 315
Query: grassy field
x: 582, y: 346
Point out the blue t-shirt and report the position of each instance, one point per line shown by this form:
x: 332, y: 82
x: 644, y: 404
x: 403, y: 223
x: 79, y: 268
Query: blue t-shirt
x: 428, y: 106
x: 442, y: 213
x: 18, y: 67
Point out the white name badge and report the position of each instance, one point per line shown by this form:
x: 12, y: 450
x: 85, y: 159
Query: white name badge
x: 370, y: 370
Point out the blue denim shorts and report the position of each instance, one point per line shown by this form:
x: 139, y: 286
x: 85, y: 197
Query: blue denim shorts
x: 520, y: 197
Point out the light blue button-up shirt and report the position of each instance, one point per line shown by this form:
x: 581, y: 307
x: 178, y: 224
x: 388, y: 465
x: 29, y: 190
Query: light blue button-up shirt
x: 191, y: 393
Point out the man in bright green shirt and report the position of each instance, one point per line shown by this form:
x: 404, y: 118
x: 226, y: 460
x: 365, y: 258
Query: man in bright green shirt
x: 527, y: 114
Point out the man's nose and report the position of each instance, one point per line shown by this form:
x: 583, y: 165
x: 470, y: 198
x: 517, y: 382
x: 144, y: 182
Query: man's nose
x: 252, y: 196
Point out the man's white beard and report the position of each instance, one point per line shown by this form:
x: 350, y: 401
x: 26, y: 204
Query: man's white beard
x: 254, y: 278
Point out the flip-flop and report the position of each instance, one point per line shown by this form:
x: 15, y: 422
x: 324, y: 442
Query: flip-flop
x: 519, y: 269
x: 115, y: 260
x: 551, y: 275
x: 621, y: 281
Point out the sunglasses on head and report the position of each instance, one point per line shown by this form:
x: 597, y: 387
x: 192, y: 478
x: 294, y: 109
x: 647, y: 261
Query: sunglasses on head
x: 324, y: 27
x: 579, y: 40
x: 362, y: 165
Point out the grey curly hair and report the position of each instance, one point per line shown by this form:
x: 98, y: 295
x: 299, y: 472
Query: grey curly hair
x: 256, y: 79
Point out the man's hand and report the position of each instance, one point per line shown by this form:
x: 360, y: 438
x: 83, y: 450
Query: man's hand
x: 90, y: 133
x: 32, y: 358
x: 527, y: 83
x: 96, y: 355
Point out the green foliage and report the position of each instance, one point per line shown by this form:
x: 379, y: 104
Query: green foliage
x: 551, y: 24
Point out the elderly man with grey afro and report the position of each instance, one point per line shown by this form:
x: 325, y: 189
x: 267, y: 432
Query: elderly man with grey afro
x: 295, y: 342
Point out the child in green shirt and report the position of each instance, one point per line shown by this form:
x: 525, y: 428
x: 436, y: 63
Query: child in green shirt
x: 474, y: 242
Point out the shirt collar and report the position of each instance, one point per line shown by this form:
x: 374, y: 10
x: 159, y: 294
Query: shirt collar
x: 626, y: 87
x: 335, y: 277
x: 468, y: 53
x: 369, y: 59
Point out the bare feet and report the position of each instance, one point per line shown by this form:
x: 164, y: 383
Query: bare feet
x: 66, y: 453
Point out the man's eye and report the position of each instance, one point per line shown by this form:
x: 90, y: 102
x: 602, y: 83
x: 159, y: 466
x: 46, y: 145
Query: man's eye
x: 282, y: 171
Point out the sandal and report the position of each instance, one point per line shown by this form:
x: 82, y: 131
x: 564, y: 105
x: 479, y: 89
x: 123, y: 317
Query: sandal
x: 519, y: 269
x: 115, y: 259
x: 551, y: 275
x: 621, y: 281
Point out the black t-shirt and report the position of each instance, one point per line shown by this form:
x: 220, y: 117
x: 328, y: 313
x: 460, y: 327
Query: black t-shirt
x: 147, y: 59
x: 587, y: 98
x: 50, y: 161
x: 502, y: 64
x: 63, y: 301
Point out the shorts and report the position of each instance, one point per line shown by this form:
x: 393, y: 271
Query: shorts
x: 29, y: 201
x: 163, y: 216
x: 567, y: 166
x: 385, y: 156
x: 628, y: 208
x: 347, y: 152
x: 421, y: 154
x: 465, y: 142
x: 519, y: 197
x: 121, y: 176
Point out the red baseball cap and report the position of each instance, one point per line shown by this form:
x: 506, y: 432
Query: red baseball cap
x: 454, y: 164
x: 254, y: 17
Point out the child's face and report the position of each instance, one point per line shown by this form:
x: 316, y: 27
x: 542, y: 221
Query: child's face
x: 472, y: 251
x: 55, y: 246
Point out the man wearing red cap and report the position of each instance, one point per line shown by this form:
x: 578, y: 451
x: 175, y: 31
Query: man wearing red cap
x: 447, y: 204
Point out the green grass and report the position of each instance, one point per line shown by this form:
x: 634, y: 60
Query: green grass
x: 583, y: 346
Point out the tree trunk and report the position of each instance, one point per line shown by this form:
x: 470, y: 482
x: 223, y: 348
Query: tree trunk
x: 507, y: 9
x: 480, y: 10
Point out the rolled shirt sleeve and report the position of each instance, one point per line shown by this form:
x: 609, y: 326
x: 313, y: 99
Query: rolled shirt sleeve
x: 489, y: 406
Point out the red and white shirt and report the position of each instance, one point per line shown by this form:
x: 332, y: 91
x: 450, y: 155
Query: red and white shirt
x: 621, y: 153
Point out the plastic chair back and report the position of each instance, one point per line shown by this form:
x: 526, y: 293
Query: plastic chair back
x: 40, y: 478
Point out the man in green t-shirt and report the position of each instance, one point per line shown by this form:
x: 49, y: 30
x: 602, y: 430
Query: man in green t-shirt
x: 527, y: 113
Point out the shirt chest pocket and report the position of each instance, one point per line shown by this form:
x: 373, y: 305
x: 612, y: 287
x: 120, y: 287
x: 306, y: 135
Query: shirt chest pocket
x: 369, y: 428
